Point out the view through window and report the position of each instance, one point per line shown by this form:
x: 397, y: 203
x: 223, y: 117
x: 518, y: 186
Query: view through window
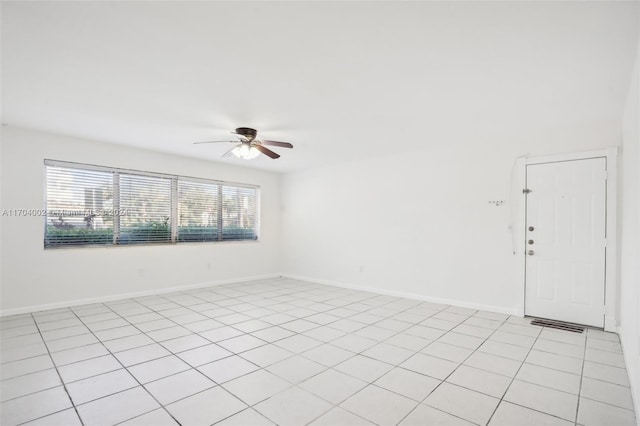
x: 95, y: 205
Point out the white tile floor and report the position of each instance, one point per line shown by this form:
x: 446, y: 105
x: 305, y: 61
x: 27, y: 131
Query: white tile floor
x: 292, y: 353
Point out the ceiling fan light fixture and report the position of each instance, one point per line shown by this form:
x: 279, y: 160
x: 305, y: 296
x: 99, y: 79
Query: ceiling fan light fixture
x: 245, y: 151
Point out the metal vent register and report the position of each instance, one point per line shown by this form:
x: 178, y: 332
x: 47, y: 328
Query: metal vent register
x: 560, y: 325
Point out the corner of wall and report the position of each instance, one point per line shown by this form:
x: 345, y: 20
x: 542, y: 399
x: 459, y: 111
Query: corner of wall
x: 629, y: 230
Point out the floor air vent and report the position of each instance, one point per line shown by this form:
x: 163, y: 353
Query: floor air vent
x: 567, y: 326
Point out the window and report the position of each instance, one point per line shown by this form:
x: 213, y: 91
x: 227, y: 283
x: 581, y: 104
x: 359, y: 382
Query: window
x: 74, y: 197
x: 146, y: 202
x: 198, y: 211
x: 238, y: 213
x: 94, y: 205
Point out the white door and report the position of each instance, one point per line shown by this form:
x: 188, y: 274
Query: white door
x: 565, y: 241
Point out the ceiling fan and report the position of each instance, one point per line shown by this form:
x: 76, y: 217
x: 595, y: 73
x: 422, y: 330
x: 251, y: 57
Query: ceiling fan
x: 248, y: 146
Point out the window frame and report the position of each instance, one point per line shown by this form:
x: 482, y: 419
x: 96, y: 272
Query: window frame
x: 174, y: 219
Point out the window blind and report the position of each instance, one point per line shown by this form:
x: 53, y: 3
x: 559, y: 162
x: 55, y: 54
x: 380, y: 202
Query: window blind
x: 198, y: 211
x: 238, y: 213
x: 89, y: 205
x: 78, y: 207
x: 146, y: 202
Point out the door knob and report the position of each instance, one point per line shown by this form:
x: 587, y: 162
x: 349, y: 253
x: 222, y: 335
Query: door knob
x: 531, y: 228
x: 530, y: 252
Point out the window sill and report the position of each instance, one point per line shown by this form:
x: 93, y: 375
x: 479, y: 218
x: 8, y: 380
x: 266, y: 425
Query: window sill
x: 187, y: 243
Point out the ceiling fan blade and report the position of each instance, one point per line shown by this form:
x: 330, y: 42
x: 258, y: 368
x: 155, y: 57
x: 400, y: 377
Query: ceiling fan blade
x: 228, y: 153
x: 276, y: 143
x: 266, y: 151
x: 196, y: 143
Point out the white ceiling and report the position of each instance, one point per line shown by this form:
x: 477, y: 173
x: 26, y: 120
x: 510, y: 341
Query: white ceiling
x: 340, y: 80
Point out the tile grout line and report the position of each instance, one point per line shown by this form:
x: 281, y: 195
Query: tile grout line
x: 251, y: 406
x: 355, y: 354
x: 334, y: 405
x: 141, y: 332
x: 327, y: 325
x: 313, y: 299
x: 584, y: 354
x: 432, y: 314
x: 453, y: 371
x: 128, y: 372
x: 356, y: 313
x: 372, y: 383
x: 64, y: 385
x: 267, y: 343
x: 513, y: 379
x: 558, y: 390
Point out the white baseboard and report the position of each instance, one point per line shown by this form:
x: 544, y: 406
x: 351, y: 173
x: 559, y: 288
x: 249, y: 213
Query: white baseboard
x: 111, y: 298
x: 408, y: 295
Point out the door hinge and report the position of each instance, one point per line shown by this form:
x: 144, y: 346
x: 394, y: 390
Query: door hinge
x: 526, y: 191
x: 605, y: 242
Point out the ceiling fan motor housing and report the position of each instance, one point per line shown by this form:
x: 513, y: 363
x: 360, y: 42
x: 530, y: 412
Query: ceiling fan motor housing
x: 247, y: 132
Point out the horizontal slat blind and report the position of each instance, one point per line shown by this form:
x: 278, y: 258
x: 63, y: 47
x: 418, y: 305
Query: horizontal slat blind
x: 146, y: 205
x: 197, y: 211
x: 79, y: 207
x: 89, y: 205
x: 238, y: 213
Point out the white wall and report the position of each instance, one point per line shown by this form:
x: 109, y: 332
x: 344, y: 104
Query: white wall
x: 630, y: 238
x: 32, y: 276
x: 421, y: 222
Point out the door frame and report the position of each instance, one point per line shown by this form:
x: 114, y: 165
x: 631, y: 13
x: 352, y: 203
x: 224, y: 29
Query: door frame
x: 611, y: 214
